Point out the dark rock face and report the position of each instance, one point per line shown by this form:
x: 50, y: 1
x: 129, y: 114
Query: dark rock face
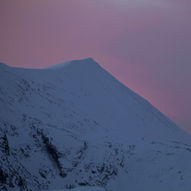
x: 4, y: 145
x: 53, y: 153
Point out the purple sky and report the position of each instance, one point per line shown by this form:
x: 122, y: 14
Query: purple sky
x: 146, y: 44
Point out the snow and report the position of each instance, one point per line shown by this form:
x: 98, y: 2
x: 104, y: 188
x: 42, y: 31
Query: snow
x: 84, y: 188
x: 74, y: 125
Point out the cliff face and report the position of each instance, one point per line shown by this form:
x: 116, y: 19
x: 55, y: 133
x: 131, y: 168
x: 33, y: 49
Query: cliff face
x: 75, y: 126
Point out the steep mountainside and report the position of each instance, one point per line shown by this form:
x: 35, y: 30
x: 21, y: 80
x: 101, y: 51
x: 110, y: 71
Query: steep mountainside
x: 74, y: 126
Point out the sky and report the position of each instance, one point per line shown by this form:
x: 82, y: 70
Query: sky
x: 146, y: 44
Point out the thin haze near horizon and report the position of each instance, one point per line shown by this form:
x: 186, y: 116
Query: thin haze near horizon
x: 145, y: 44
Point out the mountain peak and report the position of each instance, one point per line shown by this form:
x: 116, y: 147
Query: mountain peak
x: 84, y: 62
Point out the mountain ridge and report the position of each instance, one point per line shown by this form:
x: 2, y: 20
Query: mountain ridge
x: 87, y: 60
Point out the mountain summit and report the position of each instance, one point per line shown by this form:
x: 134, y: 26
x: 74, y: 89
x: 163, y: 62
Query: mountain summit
x: 74, y: 126
x: 83, y: 63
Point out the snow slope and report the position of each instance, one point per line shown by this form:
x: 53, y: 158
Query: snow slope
x: 74, y: 126
x: 84, y: 188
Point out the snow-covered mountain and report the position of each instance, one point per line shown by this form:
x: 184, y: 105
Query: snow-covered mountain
x: 74, y: 126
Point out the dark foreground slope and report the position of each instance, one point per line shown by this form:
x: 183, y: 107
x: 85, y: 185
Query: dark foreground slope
x: 75, y: 125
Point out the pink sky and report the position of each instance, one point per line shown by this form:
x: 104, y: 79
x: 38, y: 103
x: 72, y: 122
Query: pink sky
x: 146, y: 44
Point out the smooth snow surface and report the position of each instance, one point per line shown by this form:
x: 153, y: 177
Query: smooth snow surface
x: 74, y: 126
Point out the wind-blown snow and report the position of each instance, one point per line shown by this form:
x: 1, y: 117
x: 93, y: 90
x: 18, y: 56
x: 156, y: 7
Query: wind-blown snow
x: 74, y: 126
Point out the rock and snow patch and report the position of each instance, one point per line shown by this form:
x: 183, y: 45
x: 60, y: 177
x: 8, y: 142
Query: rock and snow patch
x: 74, y: 126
